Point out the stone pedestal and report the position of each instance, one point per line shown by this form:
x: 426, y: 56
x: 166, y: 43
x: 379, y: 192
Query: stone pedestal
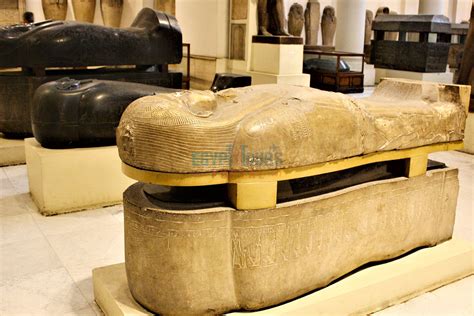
x: 469, y: 134
x: 441, y: 77
x: 278, y: 59
x: 65, y: 180
x: 366, y: 291
x: 12, y: 151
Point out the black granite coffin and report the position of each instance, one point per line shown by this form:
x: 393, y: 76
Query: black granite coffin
x: 76, y: 113
x: 151, y: 43
x: 422, y: 46
x: 154, y: 38
x: 17, y: 90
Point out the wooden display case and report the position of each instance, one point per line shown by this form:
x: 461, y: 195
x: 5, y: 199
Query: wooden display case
x: 351, y: 81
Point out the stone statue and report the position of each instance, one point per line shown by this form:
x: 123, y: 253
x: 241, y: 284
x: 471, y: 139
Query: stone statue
x: 312, y: 18
x: 328, y: 25
x: 84, y: 10
x: 382, y: 10
x: 296, y: 19
x: 271, y: 18
x: 54, y: 9
x: 369, y: 17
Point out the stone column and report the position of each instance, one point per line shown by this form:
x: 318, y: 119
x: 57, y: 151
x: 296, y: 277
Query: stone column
x: 432, y: 7
x: 350, y: 28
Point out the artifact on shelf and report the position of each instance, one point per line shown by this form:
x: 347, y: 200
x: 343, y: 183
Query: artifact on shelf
x: 111, y: 11
x: 427, y: 52
x: 142, y: 53
x: 70, y: 113
x: 84, y: 10
x: 54, y: 9
x: 296, y: 19
x: 271, y: 18
x: 466, y: 71
x: 369, y: 17
x: 312, y: 17
x: 255, y: 195
x: 328, y: 25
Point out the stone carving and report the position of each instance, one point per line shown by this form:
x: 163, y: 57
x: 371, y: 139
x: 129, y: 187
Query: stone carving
x: 167, y: 6
x: 54, y: 9
x: 466, y: 71
x: 421, y: 55
x: 296, y: 19
x: 153, y: 39
x: 382, y: 10
x: 369, y: 17
x: 328, y: 25
x: 84, y: 10
x: 237, y: 34
x: 271, y: 18
x: 111, y: 12
x: 247, y: 260
x: 312, y: 19
x: 285, y: 123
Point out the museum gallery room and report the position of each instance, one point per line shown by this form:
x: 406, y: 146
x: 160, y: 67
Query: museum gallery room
x: 241, y: 157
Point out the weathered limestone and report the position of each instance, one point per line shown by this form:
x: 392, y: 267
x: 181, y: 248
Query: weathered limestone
x: 312, y: 17
x: 66, y: 180
x: 293, y: 126
x: 84, y: 10
x: 369, y: 17
x: 296, y: 19
x: 271, y: 18
x: 254, y: 259
x: 363, y: 292
x: 328, y: 25
x: 54, y: 10
x: 111, y: 12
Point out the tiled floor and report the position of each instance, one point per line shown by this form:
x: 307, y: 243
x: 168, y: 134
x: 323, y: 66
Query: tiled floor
x: 46, y: 262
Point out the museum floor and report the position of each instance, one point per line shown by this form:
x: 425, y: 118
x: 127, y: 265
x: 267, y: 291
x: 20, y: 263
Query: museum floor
x: 46, y: 262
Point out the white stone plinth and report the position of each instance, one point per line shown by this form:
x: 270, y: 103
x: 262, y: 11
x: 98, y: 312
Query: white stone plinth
x: 266, y: 78
x: 469, y: 134
x: 12, y: 151
x: 441, y: 77
x: 277, y: 59
x: 366, y: 291
x: 65, y: 180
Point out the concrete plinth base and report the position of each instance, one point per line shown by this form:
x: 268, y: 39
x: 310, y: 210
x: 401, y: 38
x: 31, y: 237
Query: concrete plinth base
x: 267, y: 78
x: 12, y: 151
x: 469, y: 134
x: 371, y: 289
x: 65, y: 180
x: 442, y: 77
x: 278, y: 63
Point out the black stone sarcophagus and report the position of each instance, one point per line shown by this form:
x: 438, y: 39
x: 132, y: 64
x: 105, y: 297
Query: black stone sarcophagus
x: 51, y: 50
x: 71, y: 113
x: 76, y: 113
x: 422, y: 46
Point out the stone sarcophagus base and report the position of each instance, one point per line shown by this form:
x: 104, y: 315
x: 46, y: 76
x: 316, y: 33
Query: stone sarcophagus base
x: 210, y: 258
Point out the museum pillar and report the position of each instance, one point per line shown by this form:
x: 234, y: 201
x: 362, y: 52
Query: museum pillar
x: 432, y: 7
x: 350, y: 25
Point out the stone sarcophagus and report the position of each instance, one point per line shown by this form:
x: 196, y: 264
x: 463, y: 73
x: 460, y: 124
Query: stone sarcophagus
x: 251, y: 197
x: 422, y: 46
x: 51, y: 50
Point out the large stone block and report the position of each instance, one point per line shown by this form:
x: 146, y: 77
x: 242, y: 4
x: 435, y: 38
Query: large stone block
x: 65, y: 180
x: 182, y: 260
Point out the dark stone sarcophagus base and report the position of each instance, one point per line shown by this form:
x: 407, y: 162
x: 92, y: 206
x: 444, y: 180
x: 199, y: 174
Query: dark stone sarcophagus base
x: 152, y: 42
x: 17, y: 90
x: 72, y: 113
x: 422, y: 46
x: 227, y: 80
x: 154, y: 38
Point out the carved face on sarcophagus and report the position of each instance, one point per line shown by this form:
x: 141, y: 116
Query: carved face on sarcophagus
x: 423, y: 42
